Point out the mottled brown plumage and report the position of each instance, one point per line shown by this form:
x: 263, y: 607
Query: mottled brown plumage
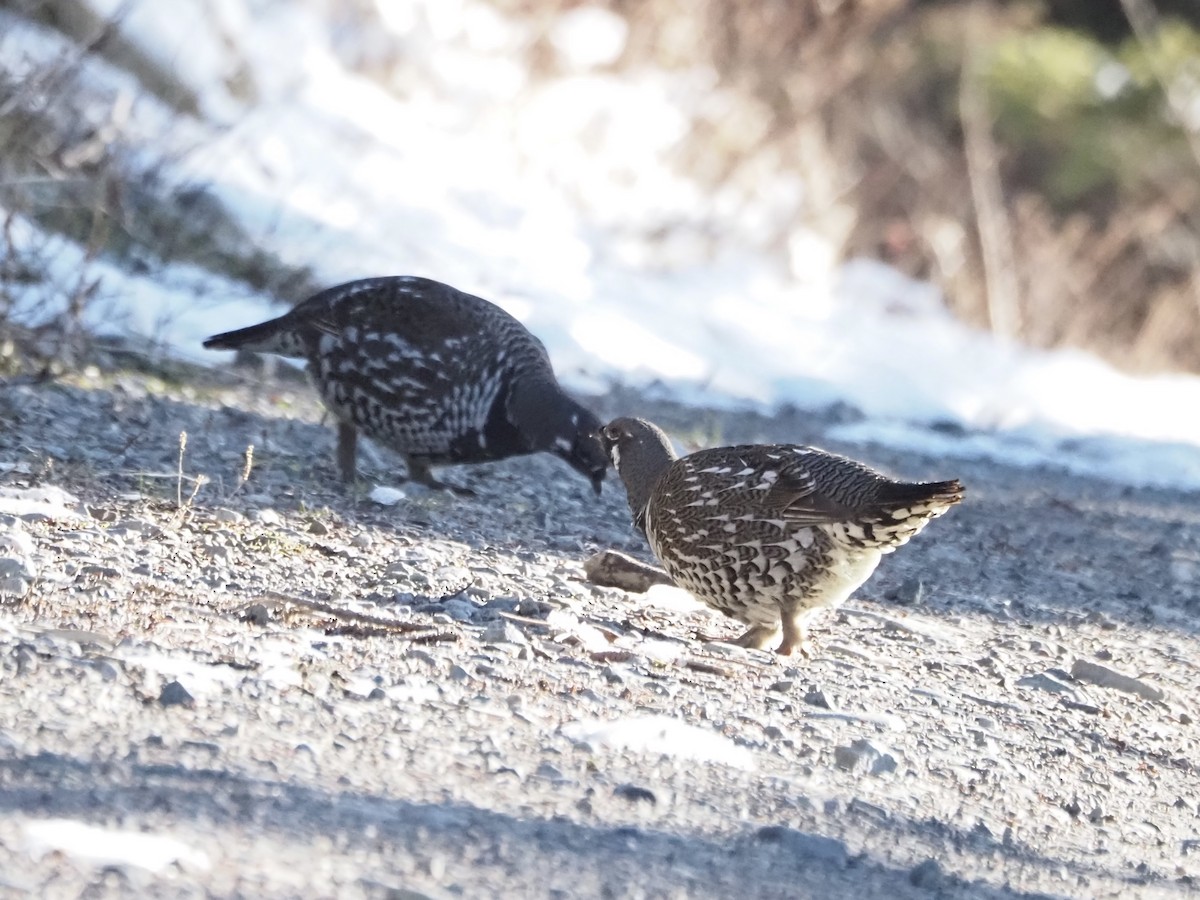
x: 436, y: 374
x: 767, y: 533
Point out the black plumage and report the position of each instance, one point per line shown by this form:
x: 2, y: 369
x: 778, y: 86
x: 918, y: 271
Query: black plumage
x: 436, y: 374
x: 767, y: 533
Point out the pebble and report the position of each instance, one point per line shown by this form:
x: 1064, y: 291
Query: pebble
x: 908, y: 592
x: 816, y: 697
x: 386, y: 496
x: 459, y: 610
x: 17, y: 567
x: 864, y: 757
x: 502, y: 631
x: 175, y: 694
x: 1044, y: 681
x: 1103, y: 676
x: 803, y: 845
x: 634, y: 794
x: 927, y: 875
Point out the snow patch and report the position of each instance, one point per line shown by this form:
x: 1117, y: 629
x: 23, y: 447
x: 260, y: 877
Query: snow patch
x: 104, y: 847
x: 660, y: 734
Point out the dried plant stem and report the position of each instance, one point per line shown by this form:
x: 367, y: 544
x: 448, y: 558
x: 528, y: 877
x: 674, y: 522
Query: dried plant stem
x: 179, y: 471
x: 247, y: 467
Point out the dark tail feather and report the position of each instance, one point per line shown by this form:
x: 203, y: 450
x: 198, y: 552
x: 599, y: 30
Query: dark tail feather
x: 933, y: 493
x: 267, y: 337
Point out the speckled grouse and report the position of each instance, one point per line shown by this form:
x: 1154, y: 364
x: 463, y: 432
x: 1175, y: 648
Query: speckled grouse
x: 436, y: 374
x: 767, y: 533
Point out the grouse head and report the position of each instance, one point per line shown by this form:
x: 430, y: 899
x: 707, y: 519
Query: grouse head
x: 641, y: 452
x: 551, y: 421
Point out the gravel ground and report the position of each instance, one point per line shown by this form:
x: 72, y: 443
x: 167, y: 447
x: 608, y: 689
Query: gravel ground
x: 279, y: 688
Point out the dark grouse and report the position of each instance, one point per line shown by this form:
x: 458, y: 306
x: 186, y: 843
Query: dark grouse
x: 767, y: 533
x: 436, y: 374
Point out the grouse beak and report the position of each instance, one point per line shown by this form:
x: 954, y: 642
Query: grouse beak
x: 587, y: 457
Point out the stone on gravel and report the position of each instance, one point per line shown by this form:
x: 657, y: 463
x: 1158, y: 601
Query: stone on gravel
x: 908, y: 592
x: 816, y: 697
x: 46, y: 503
x: 1044, y: 681
x: 608, y: 568
x: 803, y: 845
x: 386, y: 496
x: 502, y: 631
x: 175, y: 694
x: 16, y: 567
x: 863, y: 756
x: 14, y: 587
x: 927, y: 875
x: 634, y: 794
x: 1103, y: 676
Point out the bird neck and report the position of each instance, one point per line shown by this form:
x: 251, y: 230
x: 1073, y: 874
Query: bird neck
x: 543, y: 414
x: 641, y: 468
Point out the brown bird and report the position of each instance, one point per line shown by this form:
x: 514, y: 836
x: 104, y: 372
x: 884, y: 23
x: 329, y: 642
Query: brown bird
x: 767, y: 533
x: 436, y: 374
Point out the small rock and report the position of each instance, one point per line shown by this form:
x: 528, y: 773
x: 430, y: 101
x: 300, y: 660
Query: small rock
x: 801, y: 844
x: 14, y: 587
x: 780, y: 687
x: 16, y: 567
x: 362, y: 541
x: 107, y: 573
x: 100, y: 513
x: 459, y: 610
x: 386, y: 496
x: 267, y: 517
x: 927, y: 875
x: 612, y: 676
x: 502, y: 631
x: 1042, y: 681
x: 815, y: 697
x: 634, y: 794
x: 228, y: 516
x: 15, y: 542
x: 458, y: 673
x: 908, y: 592
x: 316, y: 526
x: 608, y: 568
x: 175, y: 694
x: 549, y: 772
x: 1103, y: 676
x: 256, y: 614
x: 863, y: 756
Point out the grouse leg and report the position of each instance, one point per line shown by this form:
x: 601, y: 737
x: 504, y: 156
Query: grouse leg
x: 347, y: 449
x: 757, y: 637
x: 794, y: 637
x: 418, y: 471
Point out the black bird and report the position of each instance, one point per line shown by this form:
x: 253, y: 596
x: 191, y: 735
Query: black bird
x: 436, y: 374
x: 767, y: 533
